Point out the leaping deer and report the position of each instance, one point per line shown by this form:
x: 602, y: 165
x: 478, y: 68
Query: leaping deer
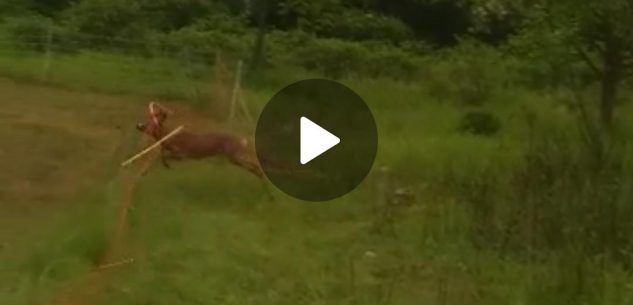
x: 188, y: 145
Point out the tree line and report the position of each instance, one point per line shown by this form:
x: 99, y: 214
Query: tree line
x: 566, y: 42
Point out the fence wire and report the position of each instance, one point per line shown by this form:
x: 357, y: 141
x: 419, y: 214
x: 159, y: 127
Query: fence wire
x: 113, y: 64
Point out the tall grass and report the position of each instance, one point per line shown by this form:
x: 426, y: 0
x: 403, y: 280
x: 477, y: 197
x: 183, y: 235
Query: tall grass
x: 531, y: 215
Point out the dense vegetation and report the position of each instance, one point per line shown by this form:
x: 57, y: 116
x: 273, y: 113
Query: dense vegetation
x: 505, y: 156
x: 552, y: 44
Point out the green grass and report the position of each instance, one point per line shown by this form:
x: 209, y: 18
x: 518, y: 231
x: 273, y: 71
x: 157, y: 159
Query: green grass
x: 205, y: 233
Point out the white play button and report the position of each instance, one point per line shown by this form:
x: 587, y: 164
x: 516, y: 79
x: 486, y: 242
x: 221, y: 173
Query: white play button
x: 314, y: 140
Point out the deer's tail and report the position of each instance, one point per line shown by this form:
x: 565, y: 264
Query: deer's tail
x: 244, y: 142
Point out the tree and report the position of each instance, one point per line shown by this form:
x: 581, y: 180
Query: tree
x: 436, y: 21
x: 261, y: 10
x: 49, y: 7
x: 166, y: 15
x: 599, y: 33
x: 106, y: 18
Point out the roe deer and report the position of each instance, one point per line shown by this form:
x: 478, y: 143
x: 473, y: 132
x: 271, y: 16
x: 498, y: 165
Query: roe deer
x: 188, y: 145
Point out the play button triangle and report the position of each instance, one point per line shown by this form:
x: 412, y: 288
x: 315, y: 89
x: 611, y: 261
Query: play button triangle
x: 314, y: 140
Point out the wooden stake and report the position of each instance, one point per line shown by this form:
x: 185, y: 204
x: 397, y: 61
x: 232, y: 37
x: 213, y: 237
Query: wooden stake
x: 47, y: 56
x: 236, y: 89
x: 116, y: 264
x: 147, y: 150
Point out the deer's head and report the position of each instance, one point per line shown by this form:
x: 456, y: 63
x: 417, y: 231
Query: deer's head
x: 153, y: 125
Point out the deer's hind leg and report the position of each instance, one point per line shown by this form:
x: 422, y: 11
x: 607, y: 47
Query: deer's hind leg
x: 247, y: 164
x: 253, y: 167
x: 163, y: 160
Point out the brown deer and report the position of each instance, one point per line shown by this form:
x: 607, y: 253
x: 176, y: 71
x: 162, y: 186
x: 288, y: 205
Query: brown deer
x: 188, y: 145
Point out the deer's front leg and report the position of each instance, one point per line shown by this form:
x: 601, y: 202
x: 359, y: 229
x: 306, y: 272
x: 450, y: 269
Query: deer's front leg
x: 165, y: 163
x: 164, y: 155
x: 171, y: 153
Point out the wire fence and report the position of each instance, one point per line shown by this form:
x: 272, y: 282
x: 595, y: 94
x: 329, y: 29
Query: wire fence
x: 113, y: 65
x: 71, y: 42
x: 51, y: 44
x: 51, y: 56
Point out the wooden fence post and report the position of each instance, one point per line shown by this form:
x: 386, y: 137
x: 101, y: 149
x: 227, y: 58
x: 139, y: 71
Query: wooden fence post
x: 236, y: 90
x: 48, y: 54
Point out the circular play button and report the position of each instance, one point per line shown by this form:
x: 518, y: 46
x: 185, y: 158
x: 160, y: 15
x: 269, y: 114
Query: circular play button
x: 316, y: 140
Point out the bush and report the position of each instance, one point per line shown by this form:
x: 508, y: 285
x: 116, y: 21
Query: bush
x: 108, y: 18
x: 479, y: 123
x: 337, y: 58
x: 30, y: 32
x: 168, y: 15
x: 358, y: 25
x: 545, y: 59
x: 9, y: 8
x: 222, y: 23
x: 206, y: 44
x: 394, y: 63
x: 282, y: 45
x: 470, y: 74
x: 557, y: 195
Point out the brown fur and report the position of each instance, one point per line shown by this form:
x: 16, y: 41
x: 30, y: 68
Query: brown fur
x: 189, y: 145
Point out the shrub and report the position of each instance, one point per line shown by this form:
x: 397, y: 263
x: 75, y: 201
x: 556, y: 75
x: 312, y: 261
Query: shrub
x: 221, y: 23
x: 167, y: 15
x: 358, y: 25
x: 334, y: 58
x: 107, y: 18
x: 30, y: 32
x: 392, y: 62
x: 282, y: 45
x: 480, y: 123
x: 545, y: 59
x: 470, y: 74
x: 206, y: 44
x: 9, y: 8
x: 556, y: 195
x: 337, y: 58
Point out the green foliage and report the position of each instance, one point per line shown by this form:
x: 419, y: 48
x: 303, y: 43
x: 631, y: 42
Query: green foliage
x: 359, y: 25
x: 206, y: 44
x: 479, y: 122
x: 495, y: 20
x: 536, y: 214
x: 222, y: 23
x: 203, y: 40
x: 599, y: 34
x: 439, y: 22
x: 546, y: 60
x: 393, y: 63
x: 337, y: 58
x: 105, y: 18
x: 559, y: 196
x: 12, y: 8
x: 472, y: 74
x: 28, y: 32
x: 301, y: 13
x: 39, y: 33
x: 527, y: 216
x: 167, y: 15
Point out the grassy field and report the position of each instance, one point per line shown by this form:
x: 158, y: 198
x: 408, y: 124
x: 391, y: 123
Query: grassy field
x: 418, y: 231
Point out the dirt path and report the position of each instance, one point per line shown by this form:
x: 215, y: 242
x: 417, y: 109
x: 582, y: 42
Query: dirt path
x: 56, y: 144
